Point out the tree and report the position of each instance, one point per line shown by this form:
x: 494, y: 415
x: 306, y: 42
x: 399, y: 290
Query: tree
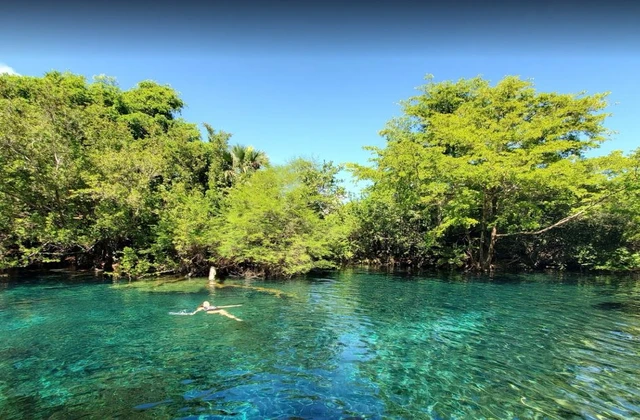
x: 469, y: 163
x: 87, y: 170
x: 43, y: 130
x: 108, y: 178
x: 241, y: 160
x: 271, y: 224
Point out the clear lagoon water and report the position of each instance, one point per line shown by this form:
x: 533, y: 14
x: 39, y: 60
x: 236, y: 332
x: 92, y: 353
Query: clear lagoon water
x: 352, y: 344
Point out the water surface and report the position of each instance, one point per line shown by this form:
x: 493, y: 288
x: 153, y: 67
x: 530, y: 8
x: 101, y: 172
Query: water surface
x: 346, y: 345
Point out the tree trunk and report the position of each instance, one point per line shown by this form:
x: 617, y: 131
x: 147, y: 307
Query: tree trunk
x: 490, y: 253
x: 483, y: 228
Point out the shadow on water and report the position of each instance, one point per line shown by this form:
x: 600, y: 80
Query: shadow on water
x: 632, y: 307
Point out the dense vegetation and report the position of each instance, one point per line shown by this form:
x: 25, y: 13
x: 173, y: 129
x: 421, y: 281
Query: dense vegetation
x: 97, y: 176
x: 476, y: 176
x: 472, y: 176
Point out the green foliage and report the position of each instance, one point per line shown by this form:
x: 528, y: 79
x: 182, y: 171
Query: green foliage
x: 185, y: 235
x: 470, y: 165
x: 97, y: 176
x: 132, y: 264
x: 273, y: 225
x: 88, y: 171
x: 621, y: 260
x: 43, y: 130
x: 472, y: 175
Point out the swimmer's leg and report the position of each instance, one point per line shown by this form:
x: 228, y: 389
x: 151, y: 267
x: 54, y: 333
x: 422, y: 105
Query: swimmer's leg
x: 227, y: 314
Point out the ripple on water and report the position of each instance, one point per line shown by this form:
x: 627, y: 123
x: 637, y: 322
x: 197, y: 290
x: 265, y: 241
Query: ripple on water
x: 353, y: 345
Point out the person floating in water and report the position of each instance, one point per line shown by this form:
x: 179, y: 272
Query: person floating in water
x: 208, y: 308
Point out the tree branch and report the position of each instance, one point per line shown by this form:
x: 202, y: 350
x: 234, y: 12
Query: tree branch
x: 561, y: 221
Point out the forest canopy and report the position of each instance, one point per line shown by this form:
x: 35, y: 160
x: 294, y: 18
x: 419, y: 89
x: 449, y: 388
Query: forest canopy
x: 472, y: 176
x: 475, y: 176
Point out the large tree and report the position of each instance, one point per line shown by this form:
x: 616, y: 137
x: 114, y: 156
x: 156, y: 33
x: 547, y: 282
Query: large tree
x: 469, y: 163
x: 87, y: 169
x: 99, y: 176
x: 284, y: 221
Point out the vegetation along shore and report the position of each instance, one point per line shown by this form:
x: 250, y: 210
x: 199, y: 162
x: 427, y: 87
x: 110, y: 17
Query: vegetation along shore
x: 474, y: 176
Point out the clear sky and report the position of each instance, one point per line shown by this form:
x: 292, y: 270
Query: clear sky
x: 329, y: 99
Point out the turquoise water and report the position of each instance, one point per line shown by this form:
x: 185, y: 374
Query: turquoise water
x: 347, y: 345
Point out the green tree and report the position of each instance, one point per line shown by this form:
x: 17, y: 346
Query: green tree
x: 469, y: 164
x: 219, y: 145
x: 241, y: 160
x: 43, y: 130
x: 111, y: 178
x: 271, y: 223
x: 88, y: 170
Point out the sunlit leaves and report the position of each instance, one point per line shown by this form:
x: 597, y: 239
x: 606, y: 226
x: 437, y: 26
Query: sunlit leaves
x: 282, y: 220
x: 468, y: 159
x: 112, y: 178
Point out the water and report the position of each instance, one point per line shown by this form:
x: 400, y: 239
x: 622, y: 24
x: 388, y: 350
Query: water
x: 349, y: 345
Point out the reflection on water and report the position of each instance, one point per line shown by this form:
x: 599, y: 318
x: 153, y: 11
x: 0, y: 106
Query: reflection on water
x: 353, y: 344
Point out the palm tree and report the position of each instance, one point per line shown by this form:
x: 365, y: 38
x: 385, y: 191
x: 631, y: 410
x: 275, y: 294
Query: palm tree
x: 241, y: 160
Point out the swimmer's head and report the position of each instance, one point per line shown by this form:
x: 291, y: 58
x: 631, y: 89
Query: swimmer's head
x: 205, y: 303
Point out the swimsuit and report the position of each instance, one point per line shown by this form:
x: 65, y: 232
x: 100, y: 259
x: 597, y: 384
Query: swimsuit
x: 210, y: 308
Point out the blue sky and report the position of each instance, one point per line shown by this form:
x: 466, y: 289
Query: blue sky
x: 331, y: 106
x: 328, y: 97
